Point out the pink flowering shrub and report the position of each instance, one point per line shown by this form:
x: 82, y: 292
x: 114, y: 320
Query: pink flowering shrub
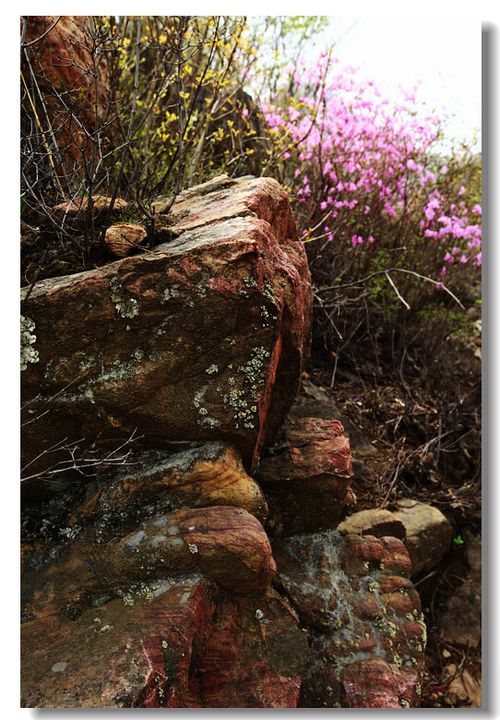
x: 391, y: 223
x: 367, y: 177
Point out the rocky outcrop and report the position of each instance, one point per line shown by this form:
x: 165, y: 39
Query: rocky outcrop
x: 176, y: 613
x: 202, y: 338
x: 129, y: 651
x: 363, y: 616
x: 228, y: 545
x: 154, y: 583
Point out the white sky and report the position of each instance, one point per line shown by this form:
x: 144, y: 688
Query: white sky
x: 443, y: 52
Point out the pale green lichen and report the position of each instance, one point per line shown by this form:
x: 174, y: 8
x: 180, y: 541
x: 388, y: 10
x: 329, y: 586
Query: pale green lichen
x: 140, y: 590
x: 420, y: 620
x: 28, y: 352
x: 391, y: 628
x: 164, y: 326
x: 59, y: 667
x: 242, y: 413
x: 269, y: 292
x: 397, y: 660
x: 170, y: 293
x: 250, y: 282
x: 198, y: 399
x: 127, y: 307
x: 253, y: 367
x: 243, y: 401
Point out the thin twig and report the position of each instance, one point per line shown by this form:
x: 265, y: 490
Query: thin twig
x: 393, y: 285
x: 41, y: 37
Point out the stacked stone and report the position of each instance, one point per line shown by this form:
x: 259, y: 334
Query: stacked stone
x: 155, y: 584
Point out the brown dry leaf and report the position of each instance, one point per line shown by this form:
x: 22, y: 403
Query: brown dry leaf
x: 463, y: 686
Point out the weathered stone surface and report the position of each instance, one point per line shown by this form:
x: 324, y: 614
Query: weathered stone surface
x: 204, y: 338
x: 428, y: 533
x: 134, y: 651
x: 207, y: 474
x: 230, y: 545
x: 374, y: 683
x: 122, y: 239
x: 307, y: 477
x: 375, y: 522
x: 226, y: 544
x: 254, y: 654
x: 363, y: 616
x: 224, y: 198
x: 176, y: 643
x: 317, y: 401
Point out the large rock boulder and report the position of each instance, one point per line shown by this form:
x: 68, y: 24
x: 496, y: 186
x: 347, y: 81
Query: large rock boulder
x: 226, y: 544
x: 363, y: 616
x: 181, y: 643
x: 375, y: 521
x: 428, y: 533
x: 202, y: 338
x: 160, y: 481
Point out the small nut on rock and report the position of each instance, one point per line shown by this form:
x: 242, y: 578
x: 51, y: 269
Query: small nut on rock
x: 121, y: 239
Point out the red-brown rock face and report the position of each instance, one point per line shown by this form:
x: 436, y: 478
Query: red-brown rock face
x: 63, y: 63
x: 226, y: 544
x: 202, y: 338
x: 131, y: 652
x: 363, y: 617
x: 307, y: 476
x: 253, y: 655
x: 178, y: 612
x: 169, y: 644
